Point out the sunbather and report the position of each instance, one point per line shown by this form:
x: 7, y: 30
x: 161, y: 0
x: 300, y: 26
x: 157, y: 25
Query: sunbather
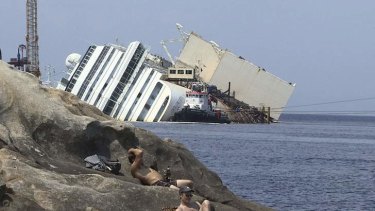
x: 149, y: 176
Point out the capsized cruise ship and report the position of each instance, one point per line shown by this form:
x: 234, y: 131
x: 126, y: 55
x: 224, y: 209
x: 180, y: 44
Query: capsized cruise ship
x: 124, y: 83
x: 131, y: 84
x: 248, y: 82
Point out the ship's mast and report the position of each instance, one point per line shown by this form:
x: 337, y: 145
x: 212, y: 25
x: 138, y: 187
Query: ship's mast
x: 32, y: 47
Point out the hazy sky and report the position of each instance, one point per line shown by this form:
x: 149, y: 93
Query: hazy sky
x: 326, y: 47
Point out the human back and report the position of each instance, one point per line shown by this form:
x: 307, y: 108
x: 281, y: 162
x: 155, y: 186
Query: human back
x: 153, y: 176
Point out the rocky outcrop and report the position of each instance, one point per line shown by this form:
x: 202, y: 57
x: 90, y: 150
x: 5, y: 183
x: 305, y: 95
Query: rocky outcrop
x: 44, y: 136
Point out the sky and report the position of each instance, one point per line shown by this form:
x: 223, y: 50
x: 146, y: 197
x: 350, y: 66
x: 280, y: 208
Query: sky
x: 326, y: 47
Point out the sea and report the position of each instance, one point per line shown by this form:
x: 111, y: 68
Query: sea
x: 303, y: 162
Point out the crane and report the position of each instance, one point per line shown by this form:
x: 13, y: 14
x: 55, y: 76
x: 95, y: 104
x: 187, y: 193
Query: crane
x: 183, y: 38
x: 164, y: 42
x: 32, y: 47
x: 183, y: 34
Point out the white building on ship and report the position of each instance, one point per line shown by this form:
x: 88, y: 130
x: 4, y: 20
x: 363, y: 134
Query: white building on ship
x: 123, y: 82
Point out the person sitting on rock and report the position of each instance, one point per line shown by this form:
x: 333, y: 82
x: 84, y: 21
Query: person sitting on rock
x: 187, y: 205
x: 152, y: 177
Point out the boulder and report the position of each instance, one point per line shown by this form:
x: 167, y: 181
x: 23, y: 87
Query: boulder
x: 45, y: 134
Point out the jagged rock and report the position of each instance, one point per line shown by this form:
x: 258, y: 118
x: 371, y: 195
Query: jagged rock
x: 44, y: 136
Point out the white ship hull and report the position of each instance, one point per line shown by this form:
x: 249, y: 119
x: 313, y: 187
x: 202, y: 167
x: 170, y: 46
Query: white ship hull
x: 120, y: 83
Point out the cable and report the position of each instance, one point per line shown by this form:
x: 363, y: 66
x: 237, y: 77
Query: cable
x: 347, y: 113
x: 310, y: 111
x: 325, y: 103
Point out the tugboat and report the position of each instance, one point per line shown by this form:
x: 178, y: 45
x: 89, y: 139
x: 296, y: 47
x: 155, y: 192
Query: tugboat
x: 198, y: 108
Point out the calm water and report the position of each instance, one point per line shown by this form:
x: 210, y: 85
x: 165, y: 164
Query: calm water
x: 305, y: 162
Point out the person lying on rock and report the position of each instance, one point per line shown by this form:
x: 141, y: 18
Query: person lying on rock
x: 187, y: 205
x: 149, y: 176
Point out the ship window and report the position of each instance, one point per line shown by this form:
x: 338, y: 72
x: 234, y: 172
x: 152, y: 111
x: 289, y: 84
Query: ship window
x: 189, y: 72
x: 161, y: 110
x: 150, y: 102
x: 180, y: 71
x: 172, y: 71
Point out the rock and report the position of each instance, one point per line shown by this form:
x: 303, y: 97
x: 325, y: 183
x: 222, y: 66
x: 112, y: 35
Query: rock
x: 46, y: 133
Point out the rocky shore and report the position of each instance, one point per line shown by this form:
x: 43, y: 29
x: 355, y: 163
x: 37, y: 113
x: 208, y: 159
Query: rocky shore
x: 44, y: 136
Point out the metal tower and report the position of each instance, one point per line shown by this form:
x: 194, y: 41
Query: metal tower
x: 32, y: 47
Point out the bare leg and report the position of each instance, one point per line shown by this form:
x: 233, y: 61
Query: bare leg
x: 205, y: 206
x: 184, y: 182
x: 174, y: 187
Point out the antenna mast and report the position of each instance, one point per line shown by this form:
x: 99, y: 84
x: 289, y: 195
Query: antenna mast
x: 32, y: 47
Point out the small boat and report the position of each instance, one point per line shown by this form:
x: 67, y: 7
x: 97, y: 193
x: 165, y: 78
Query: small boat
x: 198, y: 108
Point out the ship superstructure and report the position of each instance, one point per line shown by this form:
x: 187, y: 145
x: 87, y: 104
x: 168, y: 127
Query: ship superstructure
x: 123, y: 82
